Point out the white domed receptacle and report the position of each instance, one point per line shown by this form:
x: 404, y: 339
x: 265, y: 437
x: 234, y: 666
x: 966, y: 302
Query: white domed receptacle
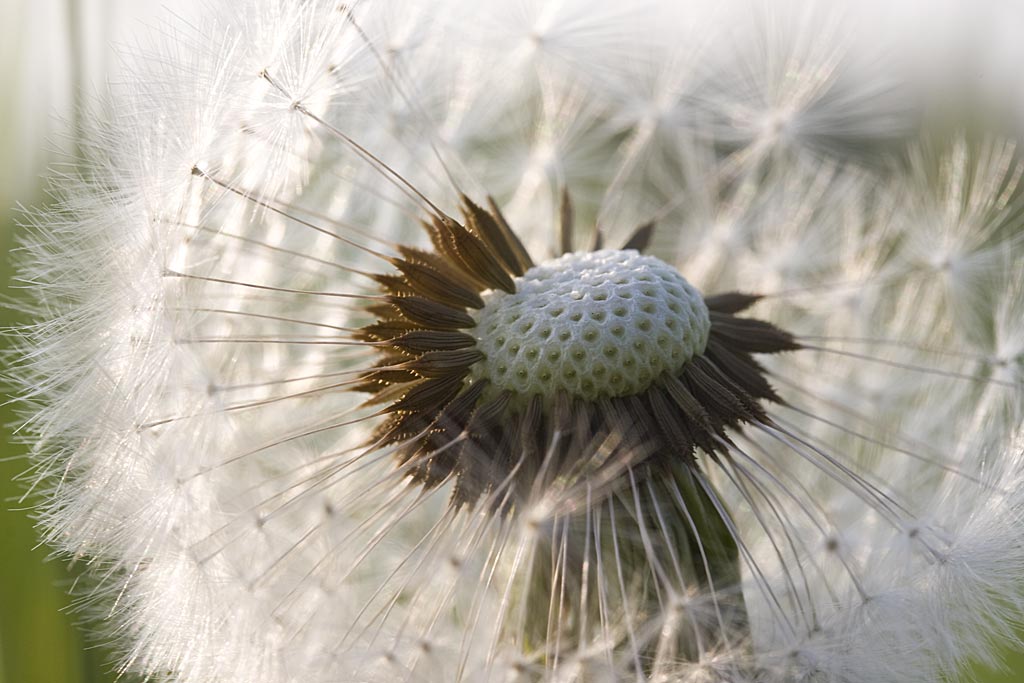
x: 593, y: 324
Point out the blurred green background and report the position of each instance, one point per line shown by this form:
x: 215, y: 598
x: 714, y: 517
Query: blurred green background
x: 53, y: 52
x: 39, y: 642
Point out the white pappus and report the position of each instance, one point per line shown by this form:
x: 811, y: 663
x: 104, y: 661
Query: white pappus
x: 763, y: 426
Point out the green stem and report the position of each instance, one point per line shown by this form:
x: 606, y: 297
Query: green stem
x: 653, y: 567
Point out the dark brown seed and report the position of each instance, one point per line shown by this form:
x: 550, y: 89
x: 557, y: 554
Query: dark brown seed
x: 441, y: 264
x: 741, y: 369
x: 387, y: 376
x: 704, y: 426
x: 393, y: 284
x: 523, y: 256
x: 723, y: 400
x: 424, y: 341
x: 493, y: 429
x: 429, y: 396
x: 433, y: 284
x: 672, y: 423
x: 400, y: 428
x: 477, y: 259
x: 750, y: 335
x: 529, y: 434
x: 641, y: 238
x: 446, y: 251
x: 385, y: 331
x: 439, y: 363
x: 479, y: 456
x: 451, y: 421
x: 565, y: 223
x: 431, y: 314
x: 731, y: 302
x: 490, y: 231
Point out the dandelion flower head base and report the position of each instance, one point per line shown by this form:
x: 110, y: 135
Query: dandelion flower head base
x: 506, y: 376
x: 593, y: 324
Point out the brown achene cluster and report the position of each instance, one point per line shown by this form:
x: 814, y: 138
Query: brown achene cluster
x: 497, y: 448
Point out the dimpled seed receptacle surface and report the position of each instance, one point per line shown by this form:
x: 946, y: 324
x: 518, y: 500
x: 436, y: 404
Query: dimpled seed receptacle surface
x: 594, y: 324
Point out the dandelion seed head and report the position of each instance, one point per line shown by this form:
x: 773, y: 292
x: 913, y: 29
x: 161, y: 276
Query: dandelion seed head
x: 273, y: 314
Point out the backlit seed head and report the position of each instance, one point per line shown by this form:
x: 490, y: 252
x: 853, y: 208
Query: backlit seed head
x: 256, y: 393
x: 595, y: 324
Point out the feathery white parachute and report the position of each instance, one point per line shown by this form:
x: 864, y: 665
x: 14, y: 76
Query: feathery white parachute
x: 201, y: 288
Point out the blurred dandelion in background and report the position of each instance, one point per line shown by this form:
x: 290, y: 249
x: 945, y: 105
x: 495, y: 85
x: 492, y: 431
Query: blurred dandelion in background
x: 542, y: 341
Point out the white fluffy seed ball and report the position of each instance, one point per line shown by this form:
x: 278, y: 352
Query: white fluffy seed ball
x: 593, y: 324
